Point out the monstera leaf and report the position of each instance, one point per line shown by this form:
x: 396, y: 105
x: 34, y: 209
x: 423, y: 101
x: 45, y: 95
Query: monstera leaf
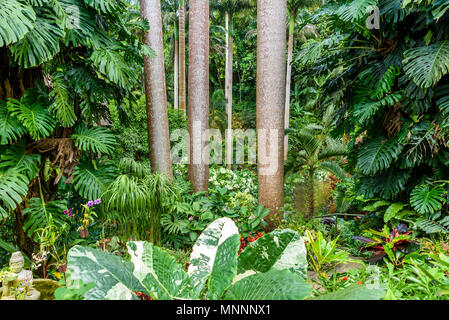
x: 214, y: 258
x: 151, y: 271
x: 280, y: 249
x: 271, y: 285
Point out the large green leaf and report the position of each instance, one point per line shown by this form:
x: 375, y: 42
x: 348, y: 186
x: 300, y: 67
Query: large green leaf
x: 160, y: 274
x: 113, y: 277
x: 377, y: 155
x: 214, y: 258
x: 355, y: 10
x: 37, y: 215
x: 95, y: 139
x: 62, y: 102
x: 428, y: 64
x: 17, y: 157
x: 272, y: 285
x: 13, y: 186
x: 426, y: 199
x: 111, y: 63
x: 354, y: 292
x: 280, y: 249
x: 33, y: 116
x: 10, y: 127
x: 40, y: 44
x: 91, y: 178
x: 151, y: 271
x: 16, y: 20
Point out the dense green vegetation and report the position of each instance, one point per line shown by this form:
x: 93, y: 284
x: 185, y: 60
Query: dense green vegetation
x: 357, y: 208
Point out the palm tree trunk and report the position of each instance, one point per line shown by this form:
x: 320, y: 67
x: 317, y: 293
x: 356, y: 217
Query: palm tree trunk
x: 182, y: 56
x: 291, y: 31
x: 270, y: 100
x: 176, y: 73
x: 155, y: 90
x: 228, y: 86
x: 311, y: 193
x: 199, y: 94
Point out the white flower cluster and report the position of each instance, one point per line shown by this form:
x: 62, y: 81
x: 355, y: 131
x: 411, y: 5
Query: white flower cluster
x: 243, y: 181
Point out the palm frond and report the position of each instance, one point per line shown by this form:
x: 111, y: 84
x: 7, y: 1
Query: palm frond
x: 334, y: 168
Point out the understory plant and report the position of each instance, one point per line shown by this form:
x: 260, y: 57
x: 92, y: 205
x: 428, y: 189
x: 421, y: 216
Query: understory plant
x: 272, y: 267
x: 324, y: 255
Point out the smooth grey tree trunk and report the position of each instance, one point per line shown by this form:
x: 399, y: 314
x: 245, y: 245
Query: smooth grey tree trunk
x: 198, y: 82
x: 270, y: 101
x: 228, y: 87
x: 155, y: 90
x: 176, y: 75
x: 288, y: 81
x: 182, y: 56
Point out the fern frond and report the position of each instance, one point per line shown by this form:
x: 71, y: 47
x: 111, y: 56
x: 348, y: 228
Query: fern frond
x: 334, y: 168
x: 433, y: 225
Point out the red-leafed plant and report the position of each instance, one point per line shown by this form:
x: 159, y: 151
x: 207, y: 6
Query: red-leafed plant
x: 394, y: 245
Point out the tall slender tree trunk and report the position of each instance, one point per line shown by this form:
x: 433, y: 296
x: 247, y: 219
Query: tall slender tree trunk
x: 199, y: 94
x: 228, y: 86
x: 155, y: 90
x: 311, y: 193
x: 270, y: 100
x: 182, y: 56
x: 291, y: 30
x: 176, y: 72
